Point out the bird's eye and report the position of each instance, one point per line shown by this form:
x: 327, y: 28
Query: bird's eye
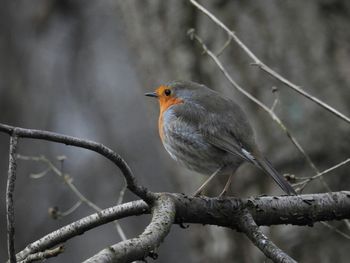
x: 167, y: 92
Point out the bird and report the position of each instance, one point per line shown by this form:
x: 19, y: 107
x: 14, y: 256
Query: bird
x: 208, y: 133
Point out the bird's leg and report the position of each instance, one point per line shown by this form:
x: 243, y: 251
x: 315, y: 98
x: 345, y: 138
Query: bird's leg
x: 227, y: 185
x: 201, y: 188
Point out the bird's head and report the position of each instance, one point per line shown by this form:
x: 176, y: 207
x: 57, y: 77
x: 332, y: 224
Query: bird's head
x: 175, y: 92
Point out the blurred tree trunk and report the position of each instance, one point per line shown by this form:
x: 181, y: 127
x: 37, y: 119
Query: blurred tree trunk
x: 65, y: 67
x: 307, y: 42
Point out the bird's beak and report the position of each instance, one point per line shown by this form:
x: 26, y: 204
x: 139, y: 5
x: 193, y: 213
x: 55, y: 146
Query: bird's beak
x: 152, y: 94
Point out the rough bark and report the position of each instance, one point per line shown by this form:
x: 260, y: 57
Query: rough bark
x: 227, y: 212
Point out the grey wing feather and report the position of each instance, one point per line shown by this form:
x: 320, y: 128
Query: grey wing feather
x: 266, y: 166
x: 232, y: 133
x: 260, y: 162
x: 224, y: 125
x: 227, y: 146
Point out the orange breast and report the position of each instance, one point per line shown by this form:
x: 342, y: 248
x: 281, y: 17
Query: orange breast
x: 165, y: 103
x: 160, y: 126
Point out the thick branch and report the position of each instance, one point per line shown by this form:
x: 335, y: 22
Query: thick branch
x: 267, y: 210
x: 79, y: 227
x: 144, y: 245
x: 248, y: 226
x: 133, y: 186
x: 10, y: 188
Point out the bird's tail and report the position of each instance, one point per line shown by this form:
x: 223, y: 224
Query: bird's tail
x: 267, y: 167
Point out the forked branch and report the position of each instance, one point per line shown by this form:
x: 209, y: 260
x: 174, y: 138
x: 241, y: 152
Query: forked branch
x: 248, y: 226
x: 267, y: 210
x: 145, y: 245
x: 79, y: 227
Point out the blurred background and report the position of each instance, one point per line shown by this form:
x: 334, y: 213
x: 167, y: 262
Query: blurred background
x: 81, y: 68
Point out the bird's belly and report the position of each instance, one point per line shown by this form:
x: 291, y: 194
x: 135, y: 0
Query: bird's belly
x: 192, y: 151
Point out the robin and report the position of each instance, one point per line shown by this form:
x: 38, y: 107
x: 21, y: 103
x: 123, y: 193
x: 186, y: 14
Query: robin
x: 208, y: 133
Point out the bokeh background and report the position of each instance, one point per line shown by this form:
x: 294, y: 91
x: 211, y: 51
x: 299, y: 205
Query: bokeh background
x: 81, y: 68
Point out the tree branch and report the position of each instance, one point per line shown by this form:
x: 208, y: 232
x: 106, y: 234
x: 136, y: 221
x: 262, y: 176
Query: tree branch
x: 145, y: 245
x: 267, y: 210
x: 11, y: 180
x: 133, y: 186
x: 79, y: 227
x: 248, y: 226
x: 319, y: 174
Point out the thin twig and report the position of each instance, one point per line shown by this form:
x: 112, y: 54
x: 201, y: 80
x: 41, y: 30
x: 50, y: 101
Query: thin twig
x: 65, y: 177
x: 117, y: 224
x: 72, y: 209
x: 336, y: 230
x: 262, y: 66
x: 43, y: 255
x: 69, y: 182
x: 121, y: 194
x: 222, y: 49
x: 320, y: 174
x: 248, y: 226
x: 276, y: 100
x: 10, y: 188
